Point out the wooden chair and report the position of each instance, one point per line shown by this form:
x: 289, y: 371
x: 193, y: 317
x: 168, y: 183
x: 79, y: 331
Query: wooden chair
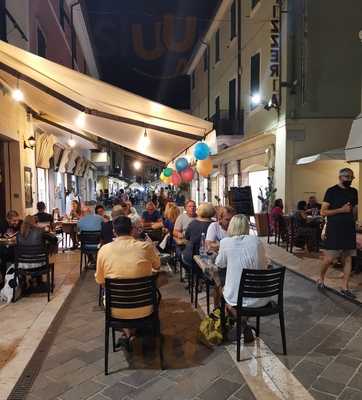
x: 258, y: 284
x: 35, y: 255
x: 89, y: 246
x: 128, y: 294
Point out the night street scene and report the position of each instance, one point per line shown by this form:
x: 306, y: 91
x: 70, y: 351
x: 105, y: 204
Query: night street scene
x: 179, y: 200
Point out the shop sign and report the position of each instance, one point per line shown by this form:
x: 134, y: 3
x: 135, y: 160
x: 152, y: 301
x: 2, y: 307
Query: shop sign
x: 275, y: 51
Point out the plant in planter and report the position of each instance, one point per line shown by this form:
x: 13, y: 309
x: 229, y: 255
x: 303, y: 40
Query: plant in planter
x: 217, y: 198
x: 267, y: 195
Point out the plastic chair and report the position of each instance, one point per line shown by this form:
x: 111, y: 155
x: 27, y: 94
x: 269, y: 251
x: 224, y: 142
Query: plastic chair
x: 89, y: 246
x: 35, y: 255
x: 258, y: 284
x: 130, y: 294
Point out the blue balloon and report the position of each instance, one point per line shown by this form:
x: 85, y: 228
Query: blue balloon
x: 181, y: 164
x: 201, y: 151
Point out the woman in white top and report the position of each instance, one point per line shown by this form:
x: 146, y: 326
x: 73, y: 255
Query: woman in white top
x: 239, y: 251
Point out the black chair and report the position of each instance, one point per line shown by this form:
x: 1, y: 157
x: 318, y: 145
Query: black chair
x: 35, y: 255
x: 89, y: 246
x: 197, y: 276
x: 130, y: 294
x: 259, y: 284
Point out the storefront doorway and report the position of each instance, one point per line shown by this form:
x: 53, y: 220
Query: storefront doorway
x: 43, y: 185
x: 257, y: 180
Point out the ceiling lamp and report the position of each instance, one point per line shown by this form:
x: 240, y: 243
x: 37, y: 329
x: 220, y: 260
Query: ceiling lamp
x: 72, y: 142
x: 80, y: 120
x: 18, y: 95
x: 256, y: 99
x: 145, y: 140
x: 137, y: 165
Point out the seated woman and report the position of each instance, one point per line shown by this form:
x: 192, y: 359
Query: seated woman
x: 238, y: 251
x: 276, y: 214
x: 170, y: 216
x: 194, y: 232
x: 307, y: 233
x: 31, y: 235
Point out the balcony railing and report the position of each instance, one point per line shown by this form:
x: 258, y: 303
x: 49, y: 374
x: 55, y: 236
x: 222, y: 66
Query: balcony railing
x: 226, y: 124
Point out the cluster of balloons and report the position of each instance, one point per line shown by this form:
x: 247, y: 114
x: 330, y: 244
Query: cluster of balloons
x: 184, y: 173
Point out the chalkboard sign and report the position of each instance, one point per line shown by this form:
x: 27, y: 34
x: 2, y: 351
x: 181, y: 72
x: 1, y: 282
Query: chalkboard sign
x: 241, y: 199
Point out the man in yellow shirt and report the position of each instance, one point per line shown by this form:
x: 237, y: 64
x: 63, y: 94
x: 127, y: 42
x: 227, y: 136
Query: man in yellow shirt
x: 126, y: 258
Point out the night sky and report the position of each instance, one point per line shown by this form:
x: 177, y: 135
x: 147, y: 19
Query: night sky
x: 143, y: 45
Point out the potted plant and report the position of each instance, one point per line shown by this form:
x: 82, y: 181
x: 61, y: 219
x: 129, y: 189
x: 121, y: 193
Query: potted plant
x: 266, y: 197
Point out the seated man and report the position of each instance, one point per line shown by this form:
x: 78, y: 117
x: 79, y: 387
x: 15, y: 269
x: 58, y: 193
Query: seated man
x: 151, y: 218
x: 183, y: 220
x: 90, y: 223
x: 42, y: 216
x: 100, y: 210
x: 218, y: 230
x: 107, y: 232
x: 126, y: 258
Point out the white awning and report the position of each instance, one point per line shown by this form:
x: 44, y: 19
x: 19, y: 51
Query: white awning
x: 336, y: 154
x: 59, y: 95
x: 354, y: 144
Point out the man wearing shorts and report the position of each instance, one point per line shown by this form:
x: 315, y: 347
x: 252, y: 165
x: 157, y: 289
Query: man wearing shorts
x: 340, y: 208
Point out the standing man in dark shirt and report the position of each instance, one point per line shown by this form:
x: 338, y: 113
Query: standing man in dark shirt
x: 340, y: 208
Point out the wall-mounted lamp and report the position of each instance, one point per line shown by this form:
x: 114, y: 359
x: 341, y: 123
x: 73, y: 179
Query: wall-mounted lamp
x: 31, y: 143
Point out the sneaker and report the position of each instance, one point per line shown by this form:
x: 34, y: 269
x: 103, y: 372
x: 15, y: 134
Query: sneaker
x: 321, y: 285
x: 347, y: 293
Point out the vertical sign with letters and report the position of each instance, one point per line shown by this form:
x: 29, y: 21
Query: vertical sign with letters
x: 275, y: 52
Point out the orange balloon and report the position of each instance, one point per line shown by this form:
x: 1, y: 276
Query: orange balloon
x: 204, y: 167
x: 167, y: 180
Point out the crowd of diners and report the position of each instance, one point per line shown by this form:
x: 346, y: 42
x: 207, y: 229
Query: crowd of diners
x: 307, y: 220
x: 133, y: 254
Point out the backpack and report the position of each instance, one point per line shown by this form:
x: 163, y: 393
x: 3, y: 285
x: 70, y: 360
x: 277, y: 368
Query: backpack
x: 12, y: 288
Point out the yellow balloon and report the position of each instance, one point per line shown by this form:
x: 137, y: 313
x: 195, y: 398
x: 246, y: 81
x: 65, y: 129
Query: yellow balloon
x: 167, y: 180
x: 204, y: 167
x: 162, y: 177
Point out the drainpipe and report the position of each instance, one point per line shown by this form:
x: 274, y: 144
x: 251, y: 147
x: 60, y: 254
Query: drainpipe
x: 239, y: 62
x: 3, y: 35
x: 73, y: 41
x: 208, y: 78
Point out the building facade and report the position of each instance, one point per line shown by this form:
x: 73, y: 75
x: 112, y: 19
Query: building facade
x: 32, y: 173
x: 299, y: 77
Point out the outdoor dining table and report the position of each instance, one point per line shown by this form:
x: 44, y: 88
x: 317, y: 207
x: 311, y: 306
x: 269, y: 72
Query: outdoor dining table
x: 69, y: 227
x: 210, y: 270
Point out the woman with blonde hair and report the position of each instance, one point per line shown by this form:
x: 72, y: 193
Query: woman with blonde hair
x: 170, y: 216
x: 238, y: 251
x: 194, y: 232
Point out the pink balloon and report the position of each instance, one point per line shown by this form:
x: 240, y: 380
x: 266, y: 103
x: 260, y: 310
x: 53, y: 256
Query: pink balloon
x: 187, y: 174
x: 176, y: 179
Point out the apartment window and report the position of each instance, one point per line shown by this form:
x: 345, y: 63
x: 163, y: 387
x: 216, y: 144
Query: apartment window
x: 62, y: 14
x: 232, y: 99
x: 217, y: 108
x: 42, y: 45
x: 255, y: 77
x: 254, y: 3
x: 193, y: 79
x: 217, y: 46
x: 233, y: 21
x: 206, y: 60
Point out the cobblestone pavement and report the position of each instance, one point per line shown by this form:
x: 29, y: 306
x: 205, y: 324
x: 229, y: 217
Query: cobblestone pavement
x: 324, y: 338
x: 324, y: 333
x: 74, y: 365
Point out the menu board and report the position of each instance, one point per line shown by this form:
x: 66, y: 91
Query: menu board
x: 241, y: 199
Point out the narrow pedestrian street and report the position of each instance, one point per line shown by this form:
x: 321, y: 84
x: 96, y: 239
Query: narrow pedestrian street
x: 324, y: 353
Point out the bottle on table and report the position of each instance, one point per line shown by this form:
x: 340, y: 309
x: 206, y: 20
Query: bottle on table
x: 202, y: 245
